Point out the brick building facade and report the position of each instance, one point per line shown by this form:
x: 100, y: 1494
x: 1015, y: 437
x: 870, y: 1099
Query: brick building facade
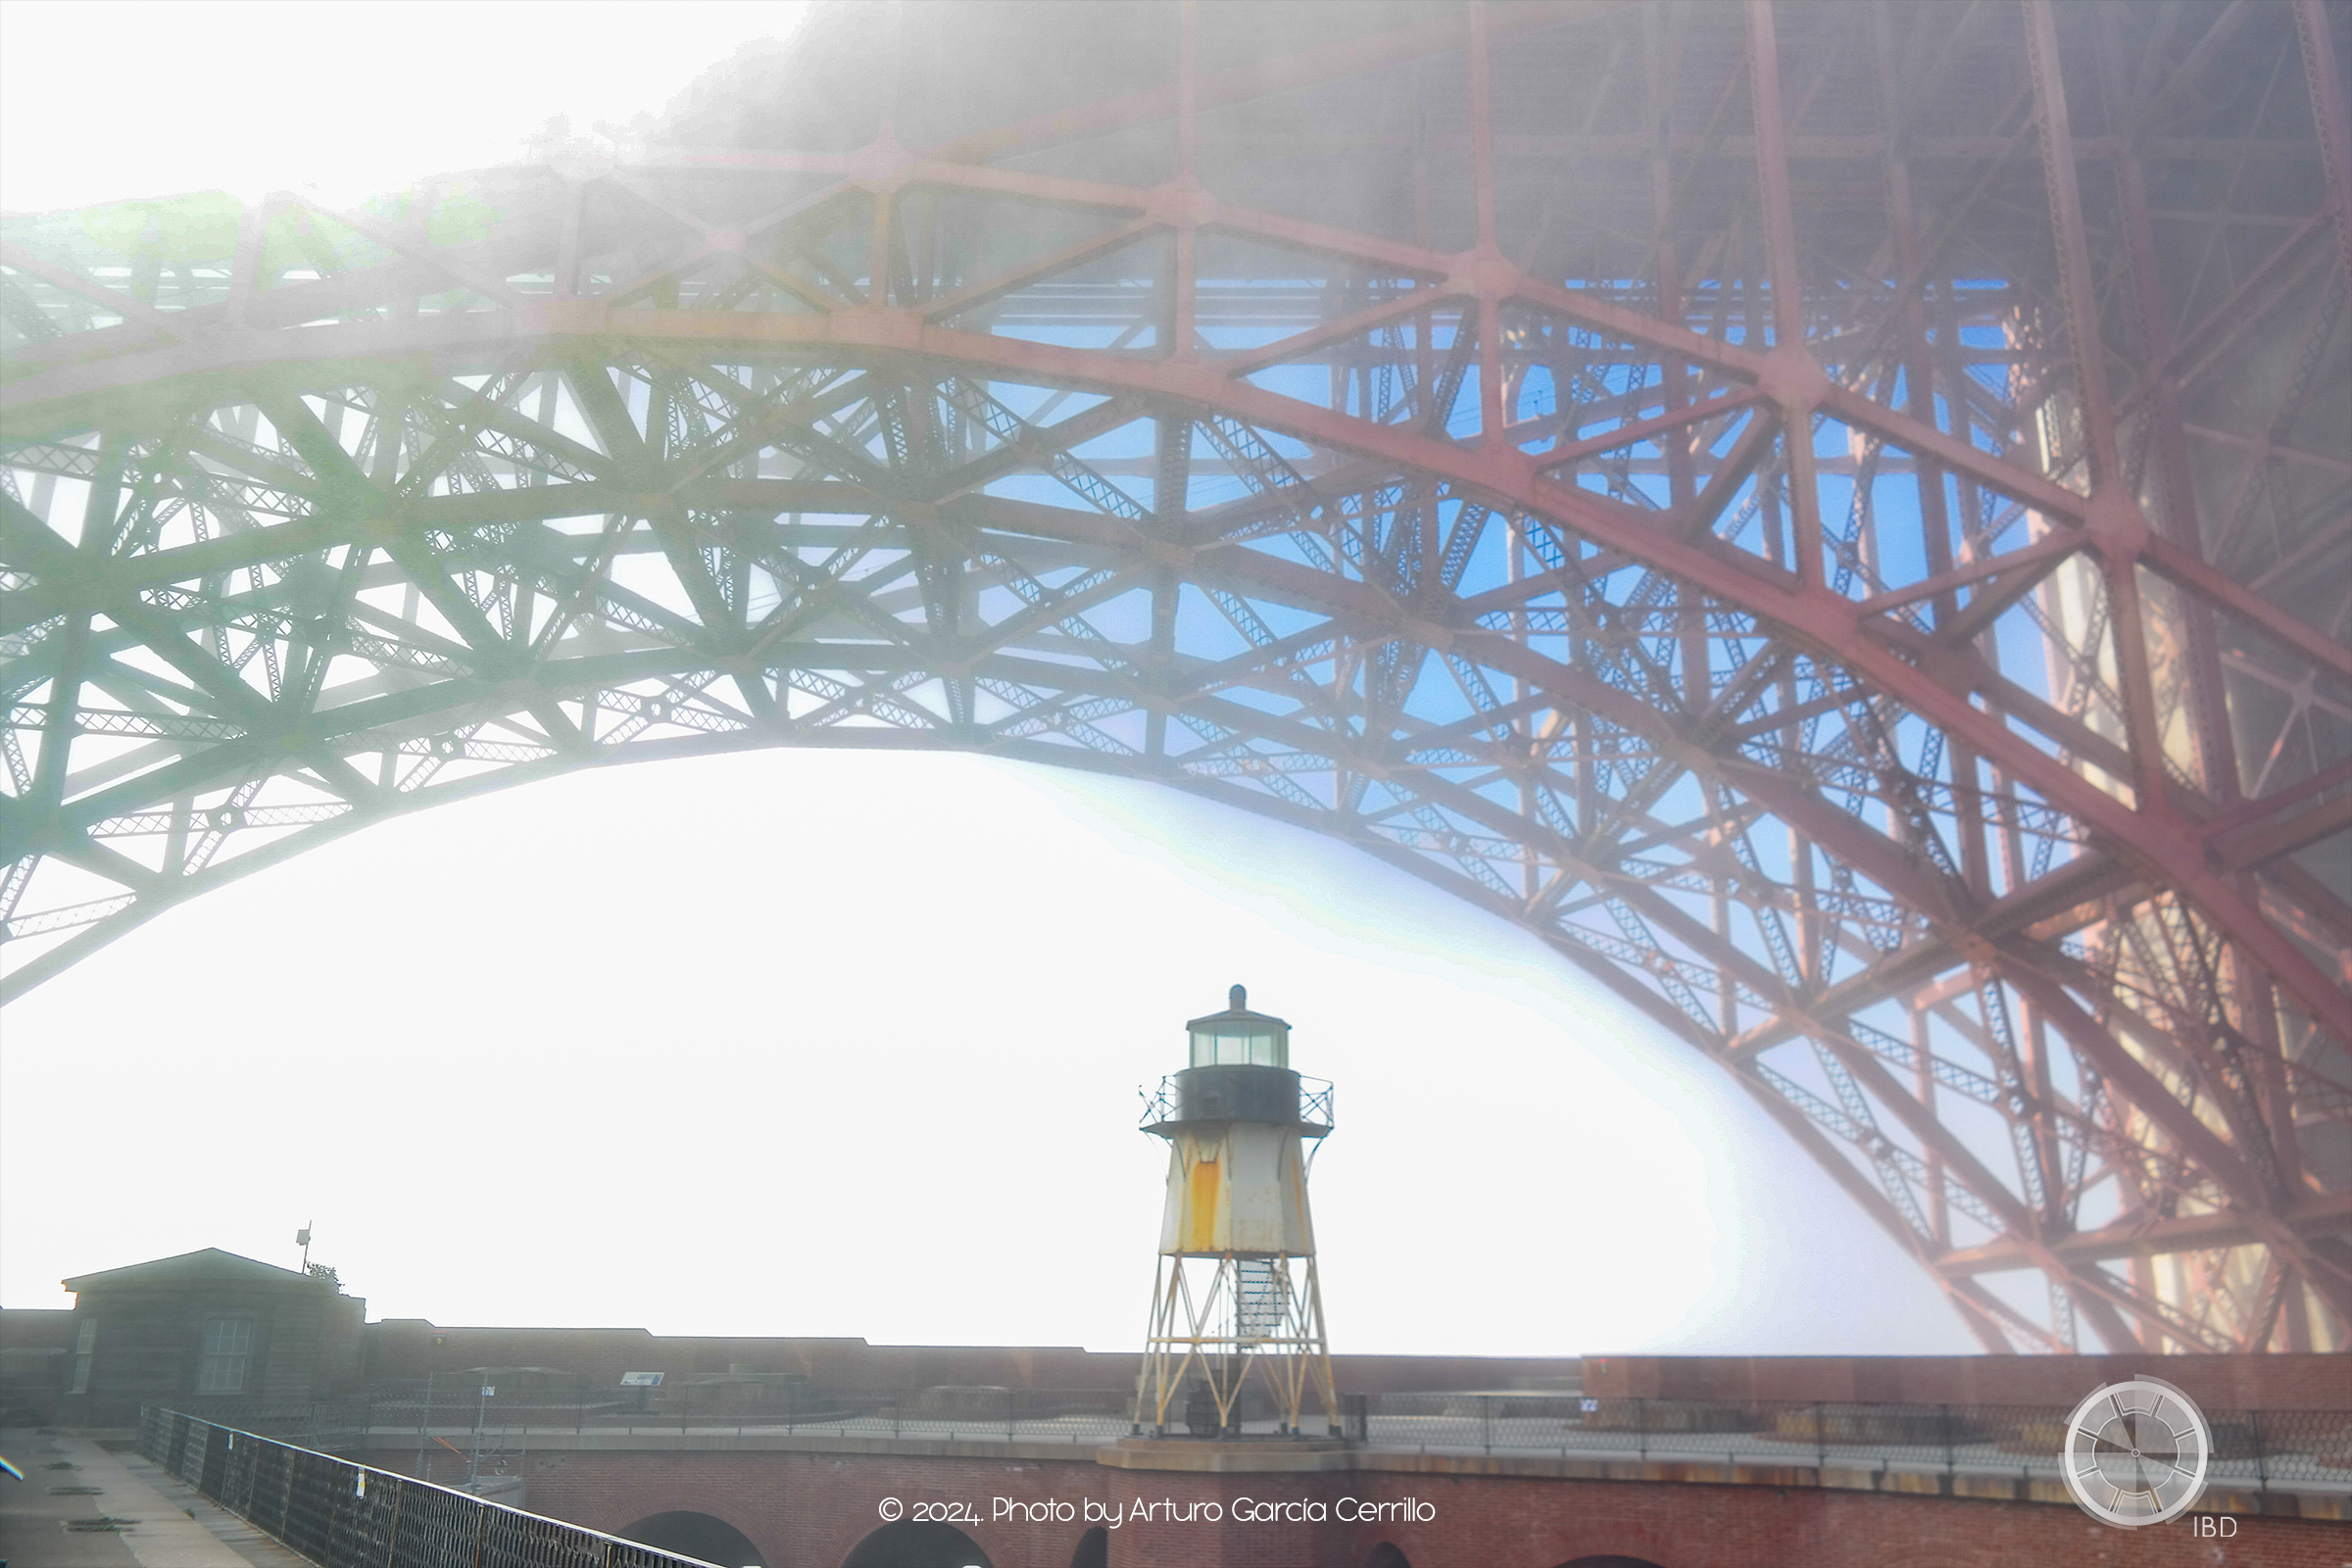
x: 205, y: 1331
x: 216, y: 1335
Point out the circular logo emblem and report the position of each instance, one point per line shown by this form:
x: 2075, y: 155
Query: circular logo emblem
x: 2135, y: 1453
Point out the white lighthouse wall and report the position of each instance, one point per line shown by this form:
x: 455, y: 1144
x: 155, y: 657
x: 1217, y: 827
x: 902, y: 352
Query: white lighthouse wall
x: 1236, y: 1189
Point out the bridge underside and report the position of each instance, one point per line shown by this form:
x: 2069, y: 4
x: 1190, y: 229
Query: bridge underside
x: 1392, y: 434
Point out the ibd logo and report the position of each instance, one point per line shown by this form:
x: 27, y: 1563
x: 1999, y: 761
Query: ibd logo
x: 2135, y: 1453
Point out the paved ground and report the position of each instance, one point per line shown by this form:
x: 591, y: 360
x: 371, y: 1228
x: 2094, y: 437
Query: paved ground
x: 161, y: 1523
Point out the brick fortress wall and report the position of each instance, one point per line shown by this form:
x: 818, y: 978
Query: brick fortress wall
x: 810, y: 1510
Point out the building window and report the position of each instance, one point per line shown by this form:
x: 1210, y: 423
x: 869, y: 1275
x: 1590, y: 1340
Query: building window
x: 85, y: 1351
x: 227, y: 1345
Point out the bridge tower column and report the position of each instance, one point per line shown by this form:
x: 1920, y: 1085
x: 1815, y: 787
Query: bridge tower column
x: 1236, y: 1293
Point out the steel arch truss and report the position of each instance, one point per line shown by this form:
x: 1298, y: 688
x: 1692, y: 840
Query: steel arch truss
x: 1961, y: 775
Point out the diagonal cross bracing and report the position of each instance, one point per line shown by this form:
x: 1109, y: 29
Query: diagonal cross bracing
x: 1740, y: 544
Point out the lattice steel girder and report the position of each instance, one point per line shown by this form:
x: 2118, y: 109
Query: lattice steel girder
x: 1972, y: 778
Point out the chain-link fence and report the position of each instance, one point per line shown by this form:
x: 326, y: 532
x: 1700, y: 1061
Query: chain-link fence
x: 2254, y: 1450
x: 344, y: 1515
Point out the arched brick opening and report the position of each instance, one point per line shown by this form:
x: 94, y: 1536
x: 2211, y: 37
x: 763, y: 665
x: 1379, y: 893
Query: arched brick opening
x: 1388, y: 1554
x: 908, y: 1545
x: 1094, y: 1549
x: 696, y: 1534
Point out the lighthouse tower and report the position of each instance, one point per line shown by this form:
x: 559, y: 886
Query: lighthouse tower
x: 1236, y: 1295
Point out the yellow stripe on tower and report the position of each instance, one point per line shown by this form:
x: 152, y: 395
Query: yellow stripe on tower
x: 1201, y: 1201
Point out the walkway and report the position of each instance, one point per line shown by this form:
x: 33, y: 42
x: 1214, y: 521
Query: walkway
x: 156, y: 1520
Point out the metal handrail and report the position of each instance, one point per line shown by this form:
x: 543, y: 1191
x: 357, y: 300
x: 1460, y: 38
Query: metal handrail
x: 341, y: 1514
x: 1314, y: 1102
x: 2253, y: 1451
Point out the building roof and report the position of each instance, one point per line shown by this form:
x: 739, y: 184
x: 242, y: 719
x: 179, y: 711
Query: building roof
x: 211, y: 1265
